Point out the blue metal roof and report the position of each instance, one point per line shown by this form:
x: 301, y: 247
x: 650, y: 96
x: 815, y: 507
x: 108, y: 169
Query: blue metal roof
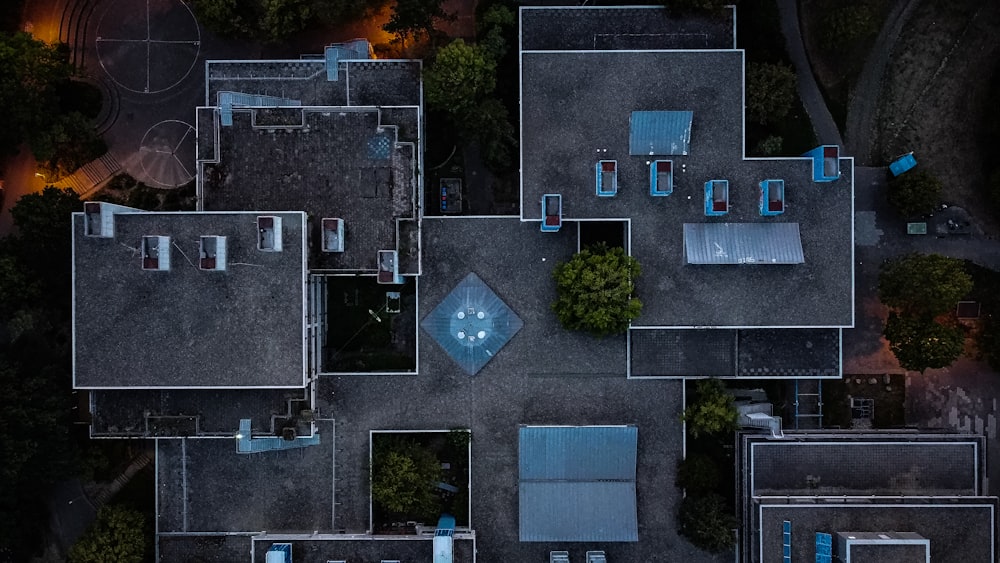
x: 472, y: 324
x: 577, y: 453
x: 660, y: 132
x: 577, y: 483
x: 742, y: 243
x: 578, y: 512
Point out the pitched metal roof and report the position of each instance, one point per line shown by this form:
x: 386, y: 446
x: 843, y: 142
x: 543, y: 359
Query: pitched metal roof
x: 577, y: 453
x: 472, y: 324
x: 578, y: 512
x: 660, y: 132
x: 577, y: 483
x: 742, y: 243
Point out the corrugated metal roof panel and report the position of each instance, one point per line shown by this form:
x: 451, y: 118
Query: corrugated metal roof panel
x: 742, y: 243
x: 581, y: 453
x: 660, y: 132
x: 578, y: 511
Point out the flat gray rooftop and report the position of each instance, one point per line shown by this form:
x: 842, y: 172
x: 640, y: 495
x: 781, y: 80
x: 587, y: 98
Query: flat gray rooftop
x: 403, y: 549
x: 888, y: 553
x: 204, y: 549
x: 341, y: 164
x: 580, y: 103
x: 217, y: 411
x: 959, y: 532
x: 633, y: 27
x: 864, y: 468
x: 368, y: 82
x: 188, y: 327
x: 728, y: 352
x: 203, y: 485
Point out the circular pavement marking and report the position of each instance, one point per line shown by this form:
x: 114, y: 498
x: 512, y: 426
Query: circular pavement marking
x: 166, y: 153
x: 148, y: 47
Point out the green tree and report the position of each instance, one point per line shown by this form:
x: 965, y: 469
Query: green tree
x: 707, y: 523
x: 851, y: 22
x: 70, y: 142
x: 403, y: 476
x: 712, y: 411
x: 914, y: 193
x: 490, y: 126
x: 116, y: 537
x: 771, y: 91
x: 30, y: 74
x: 698, y: 474
x: 282, y: 18
x: 43, y: 239
x: 594, y: 290
x: 923, y: 285
x: 458, y: 79
x: 494, y: 25
x: 413, y: 18
x: 919, y: 344
x: 769, y: 146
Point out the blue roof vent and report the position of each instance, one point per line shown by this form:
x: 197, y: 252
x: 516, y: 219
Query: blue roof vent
x: 472, y: 324
x: 660, y: 133
x: 661, y: 177
x: 772, y: 197
x: 716, y: 197
x: 826, y: 163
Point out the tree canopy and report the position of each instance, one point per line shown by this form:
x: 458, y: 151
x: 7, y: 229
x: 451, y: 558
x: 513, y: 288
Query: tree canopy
x: 411, y: 18
x: 403, y: 476
x: 850, y: 22
x: 30, y: 74
x: 594, y: 291
x: 458, y: 79
x: 914, y: 193
x: 919, y: 344
x: 771, y: 91
x: 117, y: 536
x: 923, y: 285
x: 707, y: 523
x: 712, y: 410
x: 698, y: 474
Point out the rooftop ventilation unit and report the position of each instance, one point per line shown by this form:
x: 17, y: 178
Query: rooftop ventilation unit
x: 661, y: 177
x: 388, y: 267
x: 212, y: 253
x: 269, y: 233
x: 99, y: 218
x: 551, y: 212
x: 772, y: 197
x: 156, y: 253
x: 333, y: 235
x: 716, y: 197
x: 826, y: 163
x: 607, y: 178
x: 279, y: 553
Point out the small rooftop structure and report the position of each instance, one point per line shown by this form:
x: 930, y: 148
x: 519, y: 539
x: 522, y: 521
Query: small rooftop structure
x: 551, y: 213
x: 826, y: 163
x: 247, y: 444
x: 659, y: 133
x: 661, y: 177
x: 577, y: 483
x: 772, y: 197
x: 742, y: 243
x: 472, y: 324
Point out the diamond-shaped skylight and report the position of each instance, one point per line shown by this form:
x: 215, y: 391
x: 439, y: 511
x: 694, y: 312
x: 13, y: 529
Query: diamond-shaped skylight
x: 472, y: 324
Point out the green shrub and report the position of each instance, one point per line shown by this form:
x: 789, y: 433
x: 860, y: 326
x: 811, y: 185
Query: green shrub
x: 594, y: 291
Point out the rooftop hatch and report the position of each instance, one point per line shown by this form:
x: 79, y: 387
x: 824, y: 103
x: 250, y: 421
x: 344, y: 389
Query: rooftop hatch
x: 155, y: 253
x: 269, y: 233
